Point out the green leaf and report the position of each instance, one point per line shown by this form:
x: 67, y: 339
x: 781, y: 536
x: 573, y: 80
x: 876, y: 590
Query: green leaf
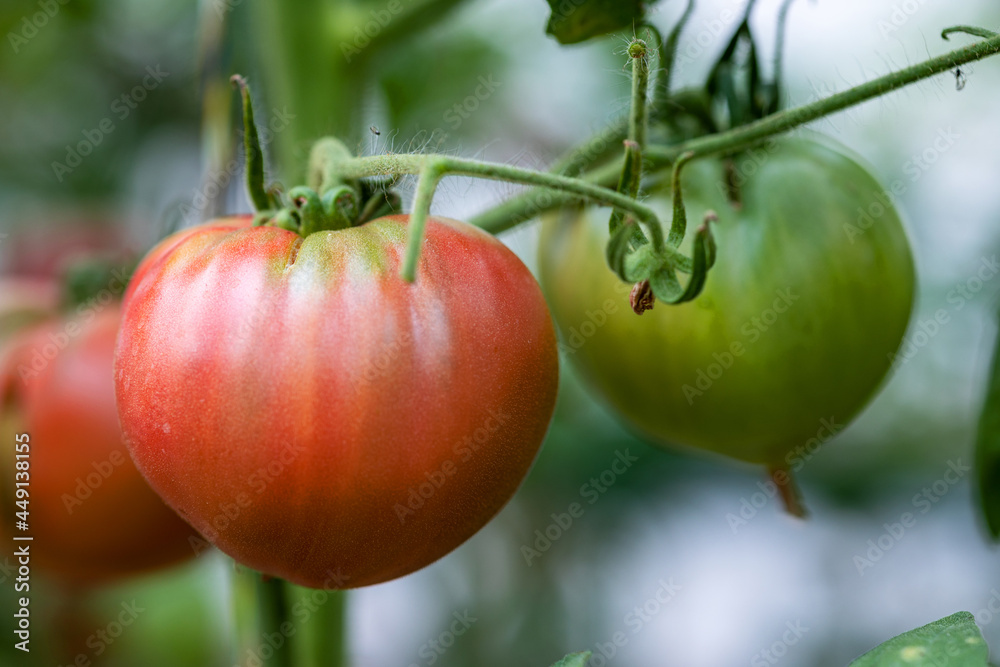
x: 574, y: 660
x: 574, y: 21
x: 988, y: 450
x: 954, y: 641
x: 617, y: 250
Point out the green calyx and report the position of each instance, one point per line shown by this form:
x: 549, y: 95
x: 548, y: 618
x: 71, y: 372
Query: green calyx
x: 652, y: 264
x: 329, y: 202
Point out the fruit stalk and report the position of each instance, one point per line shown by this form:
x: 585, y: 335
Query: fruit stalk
x: 746, y: 136
x: 529, y: 205
x: 433, y: 167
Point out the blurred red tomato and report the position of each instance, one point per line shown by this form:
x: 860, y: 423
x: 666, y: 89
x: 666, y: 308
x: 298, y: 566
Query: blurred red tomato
x: 24, y: 301
x: 92, y: 515
x: 45, y: 251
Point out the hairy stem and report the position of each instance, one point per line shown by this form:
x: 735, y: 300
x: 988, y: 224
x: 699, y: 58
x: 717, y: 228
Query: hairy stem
x: 524, y: 207
x: 743, y: 137
x: 536, y: 201
x: 640, y: 85
x: 430, y: 176
x: 433, y: 167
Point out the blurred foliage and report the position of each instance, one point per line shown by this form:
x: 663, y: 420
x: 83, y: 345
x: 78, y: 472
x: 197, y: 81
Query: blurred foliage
x: 574, y: 21
x: 166, y: 619
x: 82, y: 67
x: 988, y: 450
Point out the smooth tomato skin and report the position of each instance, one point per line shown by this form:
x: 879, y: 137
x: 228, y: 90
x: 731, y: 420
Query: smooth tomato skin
x: 92, y: 515
x: 321, y: 420
x: 748, y: 369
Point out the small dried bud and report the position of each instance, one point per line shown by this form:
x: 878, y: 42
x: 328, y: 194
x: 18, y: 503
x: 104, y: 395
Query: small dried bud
x: 642, y: 298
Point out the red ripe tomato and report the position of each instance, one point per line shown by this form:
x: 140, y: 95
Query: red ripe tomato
x: 92, y: 515
x: 320, y: 419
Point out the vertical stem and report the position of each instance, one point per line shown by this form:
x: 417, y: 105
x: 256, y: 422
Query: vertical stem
x: 631, y: 177
x: 259, y: 611
x: 640, y: 84
x: 272, y: 615
x: 320, y: 640
x: 243, y: 599
x: 430, y: 176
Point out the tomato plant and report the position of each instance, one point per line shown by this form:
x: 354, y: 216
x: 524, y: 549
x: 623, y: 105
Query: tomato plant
x: 91, y: 513
x: 795, y: 328
x: 337, y: 395
x: 313, y: 414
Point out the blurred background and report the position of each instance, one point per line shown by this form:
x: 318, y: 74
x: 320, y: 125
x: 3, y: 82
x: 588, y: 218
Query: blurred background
x: 117, y: 124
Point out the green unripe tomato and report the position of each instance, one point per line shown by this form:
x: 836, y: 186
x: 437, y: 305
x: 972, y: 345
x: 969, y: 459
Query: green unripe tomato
x: 795, y: 330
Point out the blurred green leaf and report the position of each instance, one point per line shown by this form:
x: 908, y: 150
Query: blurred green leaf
x: 954, y: 641
x: 574, y: 660
x: 988, y: 450
x: 574, y: 21
x: 430, y: 108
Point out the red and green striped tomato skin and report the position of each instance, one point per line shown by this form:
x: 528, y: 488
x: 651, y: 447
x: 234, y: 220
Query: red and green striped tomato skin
x: 320, y: 419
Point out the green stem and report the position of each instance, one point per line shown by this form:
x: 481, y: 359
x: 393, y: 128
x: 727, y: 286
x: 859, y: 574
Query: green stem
x: 320, y: 640
x: 640, y: 85
x: 631, y: 177
x: 433, y: 167
x: 536, y: 201
x: 259, y: 610
x: 519, y: 209
x: 591, y: 151
x: 968, y: 30
x: 747, y: 135
x: 243, y: 602
x: 678, y: 226
x: 273, y: 614
x: 430, y: 176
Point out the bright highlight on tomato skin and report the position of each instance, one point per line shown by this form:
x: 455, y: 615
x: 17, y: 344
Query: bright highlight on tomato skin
x: 286, y: 395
